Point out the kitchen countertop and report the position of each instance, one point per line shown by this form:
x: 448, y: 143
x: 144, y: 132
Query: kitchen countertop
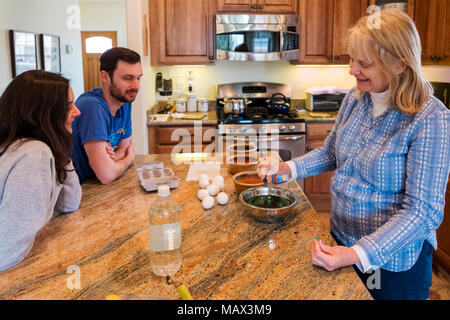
x: 226, y: 255
x: 210, y: 120
x: 317, y: 116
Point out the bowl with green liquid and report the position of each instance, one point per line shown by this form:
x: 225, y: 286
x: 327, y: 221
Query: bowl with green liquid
x: 269, y: 204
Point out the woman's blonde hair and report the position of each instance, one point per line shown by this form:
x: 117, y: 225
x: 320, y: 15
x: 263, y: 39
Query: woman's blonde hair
x: 394, y: 37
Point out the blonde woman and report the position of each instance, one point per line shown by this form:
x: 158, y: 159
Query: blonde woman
x: 390, y: 148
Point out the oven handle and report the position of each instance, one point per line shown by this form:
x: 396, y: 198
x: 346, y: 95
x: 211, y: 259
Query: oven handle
x: 283, y: 138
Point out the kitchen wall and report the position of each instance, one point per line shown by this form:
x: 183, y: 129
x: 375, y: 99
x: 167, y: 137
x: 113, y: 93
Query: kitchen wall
x: 42, y: 16
x: 108, y: 15
x: 146, y: 97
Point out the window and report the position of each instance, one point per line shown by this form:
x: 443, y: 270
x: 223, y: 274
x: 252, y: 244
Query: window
x: 98, y: 44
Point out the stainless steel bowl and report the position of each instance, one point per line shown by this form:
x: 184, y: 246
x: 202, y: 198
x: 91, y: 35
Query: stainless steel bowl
x: 269, y: 215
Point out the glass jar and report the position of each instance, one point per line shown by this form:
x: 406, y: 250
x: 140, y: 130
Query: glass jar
x: 202, y: 105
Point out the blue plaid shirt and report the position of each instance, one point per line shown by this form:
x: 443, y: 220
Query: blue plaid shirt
x: 391, y: 173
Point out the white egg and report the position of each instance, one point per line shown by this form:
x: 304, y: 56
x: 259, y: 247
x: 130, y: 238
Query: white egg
x: 208, y: 202
x: 221, y: 185
x: 203, y: 176
x: 213, y: 189
x: 222, y: 198
x: 203, y: 184
x: 218, y: 179
x: 202, y: 193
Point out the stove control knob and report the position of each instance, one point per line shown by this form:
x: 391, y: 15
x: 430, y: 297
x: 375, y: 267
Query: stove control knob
x: 244, y: 129
x: 292, y: 128
x: 263, y: 129
x: 231, y: 130
x: 283, y: 128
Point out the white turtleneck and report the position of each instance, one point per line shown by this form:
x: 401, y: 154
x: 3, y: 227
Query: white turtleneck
x: 380, y: 102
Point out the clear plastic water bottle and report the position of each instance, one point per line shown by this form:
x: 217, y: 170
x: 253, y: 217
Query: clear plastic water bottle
x: 165, y: 234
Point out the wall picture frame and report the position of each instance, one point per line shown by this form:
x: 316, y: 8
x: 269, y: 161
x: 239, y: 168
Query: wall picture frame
x: 50, y: 48
x: 23, y: 48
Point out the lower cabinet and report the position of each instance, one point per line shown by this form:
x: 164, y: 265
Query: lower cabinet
x: 317, y: 188
x: 180, y: 139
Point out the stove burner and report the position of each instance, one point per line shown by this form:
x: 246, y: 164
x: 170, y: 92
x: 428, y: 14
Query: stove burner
x: 257, y: 115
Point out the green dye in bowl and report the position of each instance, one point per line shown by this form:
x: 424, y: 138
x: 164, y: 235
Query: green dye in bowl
x: 269, y: 202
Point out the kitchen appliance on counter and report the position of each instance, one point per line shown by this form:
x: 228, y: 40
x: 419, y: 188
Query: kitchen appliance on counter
x: 324, y: 101
x: 442, y: 92
x: 257, y: 37
x: 283, y: 133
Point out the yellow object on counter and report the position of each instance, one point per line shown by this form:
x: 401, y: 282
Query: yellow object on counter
x: 184, y: 292
x: 181, y: 288
x: 113, y: 297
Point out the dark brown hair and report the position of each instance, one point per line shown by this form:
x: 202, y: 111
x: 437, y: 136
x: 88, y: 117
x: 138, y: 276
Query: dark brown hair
x: 34, y: 106
x: 109, y: 59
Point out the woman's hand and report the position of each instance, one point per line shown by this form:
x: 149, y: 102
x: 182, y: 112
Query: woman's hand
x: 332, y: 258
x: 269, y: 166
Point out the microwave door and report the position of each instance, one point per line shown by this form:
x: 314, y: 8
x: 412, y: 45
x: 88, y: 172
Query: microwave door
x: 249, y: 45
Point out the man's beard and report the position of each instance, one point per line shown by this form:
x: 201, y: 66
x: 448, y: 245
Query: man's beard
x: 116, y: 94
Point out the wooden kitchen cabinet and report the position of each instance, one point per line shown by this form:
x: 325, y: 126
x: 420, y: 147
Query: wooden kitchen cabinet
x: 432, y: 18
x: 181, y: 32
x: 323, y: 29
x: 163, y: 139
x: 442, y: 254
x: 257, y: 6
x: 317, y: 188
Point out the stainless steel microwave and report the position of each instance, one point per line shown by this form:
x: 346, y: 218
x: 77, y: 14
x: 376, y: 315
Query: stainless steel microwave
x: 257, y: 37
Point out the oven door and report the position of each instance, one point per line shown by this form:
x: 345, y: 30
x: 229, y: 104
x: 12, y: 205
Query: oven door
x: 288, y: 146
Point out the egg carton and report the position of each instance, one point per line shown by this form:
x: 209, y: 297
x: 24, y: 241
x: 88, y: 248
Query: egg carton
x: 153, y: 175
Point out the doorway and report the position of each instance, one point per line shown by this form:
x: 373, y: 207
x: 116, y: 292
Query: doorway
x: 94, y: 43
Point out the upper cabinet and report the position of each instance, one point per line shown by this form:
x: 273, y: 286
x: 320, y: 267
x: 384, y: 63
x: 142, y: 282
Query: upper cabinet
x: 323, y: 29
x: 257, y: 6
x: 182, y: 32
x: 432, y: 19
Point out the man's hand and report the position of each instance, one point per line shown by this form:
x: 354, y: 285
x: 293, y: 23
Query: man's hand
x: 332, y: 258
x: 111, y: 152
x: 121, y: 151
x: 101, y: 159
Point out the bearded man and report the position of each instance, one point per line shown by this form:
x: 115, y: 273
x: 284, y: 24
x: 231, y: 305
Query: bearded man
x: 102, y: 133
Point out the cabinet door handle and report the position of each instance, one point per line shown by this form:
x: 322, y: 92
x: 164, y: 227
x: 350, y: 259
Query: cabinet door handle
x: 330, y: 57
x: 254, y: 6
x: 211, y: 57
x: 336, y: 57
x: 439, y: 58
x: 261, y: 6
x: 308, y: 148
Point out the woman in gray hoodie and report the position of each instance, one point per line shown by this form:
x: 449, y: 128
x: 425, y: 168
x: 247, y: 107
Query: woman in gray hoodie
x: 36, y: 171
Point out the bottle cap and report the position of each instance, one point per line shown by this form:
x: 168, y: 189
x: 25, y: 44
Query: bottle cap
x: 163, y: 191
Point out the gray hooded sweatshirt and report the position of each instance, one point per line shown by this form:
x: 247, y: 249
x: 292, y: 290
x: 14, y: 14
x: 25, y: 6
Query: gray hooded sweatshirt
x: 29, y: 194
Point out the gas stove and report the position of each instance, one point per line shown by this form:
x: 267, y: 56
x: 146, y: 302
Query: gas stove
x: 258, y: 124
x: 256, y: 118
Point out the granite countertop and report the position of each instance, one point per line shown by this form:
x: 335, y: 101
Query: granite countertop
x: 104, y: 248
x: 210, y: 119
x: 317, y: 116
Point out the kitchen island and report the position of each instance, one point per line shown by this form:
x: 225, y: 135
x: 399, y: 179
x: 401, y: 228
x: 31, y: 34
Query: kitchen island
x: 103, y: 248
